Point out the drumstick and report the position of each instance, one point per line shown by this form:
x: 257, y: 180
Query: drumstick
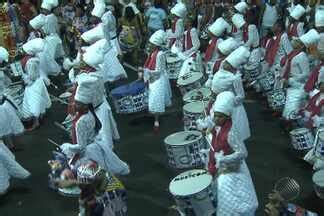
x: 61, y: 126
x: 54, y: 143
x: 130, y: 66
x: 209, y: 141
x: 55, y: 86
x: 58, y: 99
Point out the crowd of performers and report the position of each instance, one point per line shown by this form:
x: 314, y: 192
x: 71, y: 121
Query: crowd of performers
x: 274, y: 48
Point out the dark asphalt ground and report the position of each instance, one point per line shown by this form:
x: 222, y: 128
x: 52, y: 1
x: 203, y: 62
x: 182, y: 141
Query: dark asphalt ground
x: 270, y: 158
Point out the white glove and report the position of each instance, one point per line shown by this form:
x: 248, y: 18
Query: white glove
x: 182, y: 56
x: 237, y: 100
x: 307, y: 114
x: 218, y: 158
x: 125, y: 171
x: 318, y: 165
x: 318, y: 121
x: 70, y: 149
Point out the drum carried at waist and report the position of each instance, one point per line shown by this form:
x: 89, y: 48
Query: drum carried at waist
x: 277, y: 99
x: 174, y: 64
x: 183, y: 149
x: 318, y: 182
x: 190, y: 81
x: 193, y: 193
x: 197, y: 95
x: 130, y: 98
x: 191, y: 113
x: 302, y: 139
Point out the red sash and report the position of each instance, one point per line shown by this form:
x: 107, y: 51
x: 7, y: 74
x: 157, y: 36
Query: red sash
x: 287, y: 60
x: 173, y: 28
x: 309, y: 86
x: 218, y: 64
x: 187, y: 43
x: 292, y: 30
x: 234, y: 29
x: 150, y: 62
x: 312, y: 107
x: 74, y: 122
x: 24, y: 61
x: 210, y: 49
x: 245, y: 33
x: 272, y: 48
x: 219, y: 143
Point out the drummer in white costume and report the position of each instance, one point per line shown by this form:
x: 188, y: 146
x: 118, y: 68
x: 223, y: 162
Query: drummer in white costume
x: 10, y: 124
x: 228, y: 78
x: 296, y: 72
x: 175, y: 34
x: 296, y: 26
x: 234, y: 189
x: 217, y: 32
x: 9, y: 168
x: 159, y: 90
x: 241, y: 7
x: 36, y: 98
x: 85, y: 129
x: 36, y: 24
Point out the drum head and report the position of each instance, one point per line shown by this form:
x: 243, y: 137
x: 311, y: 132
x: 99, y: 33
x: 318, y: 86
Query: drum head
x: 65, y: 95
x: 70, y: 192
x: 299, y: 131
x: 318, y: 178
x: 183, y: 138
x: 172, y: 59
x: 196, y: 94
x: 195, y: 107
x: 190, y: 182
x: 189, y: 78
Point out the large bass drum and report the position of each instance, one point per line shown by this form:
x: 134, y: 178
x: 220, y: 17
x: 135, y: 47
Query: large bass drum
x: 192, y: 191
x: 183, y: 149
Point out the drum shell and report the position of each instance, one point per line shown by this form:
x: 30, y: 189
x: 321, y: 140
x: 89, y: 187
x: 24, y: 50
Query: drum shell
x: 185, y: 88
x: 186, y: 155
x: 189, y: 96
x: 319, y: 151
x: 266, y: 82
x: 133, y: 102
x: 173, y: 66
x: 302, y: 139
x: 190, y: 117
x: 318, y: 183
x: 277, y: 99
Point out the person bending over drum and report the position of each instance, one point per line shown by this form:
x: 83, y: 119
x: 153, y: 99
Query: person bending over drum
x: 159, y: 90
x: 234, y: 189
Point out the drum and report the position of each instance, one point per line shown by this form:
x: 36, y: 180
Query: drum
x: 16, y: 69
x: 192, y: 191
x: 318, y: 181
x: 70, y: 192
x: 16, y: 93
x: 266, y: 82
x: 130, y: 98
x: 183, y: 149
x: 276, y: 99
x: 319, y: 151
x: 190, y: 81
x: 174, y: 64
x: 191, y: 113
x: 197, y: 95
x: 302, y: 139
x: 252, y: 73
x: 295, y: 99
x: 65, y: 96
x: 128, y: 39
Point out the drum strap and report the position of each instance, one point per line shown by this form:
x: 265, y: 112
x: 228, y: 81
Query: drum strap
x: 219, y: 143
x: 24, y: 60
x: 218, y: 64
x: 245, y: 33
x: 309, y: 86
x: 312, y: 107
x: 292, y: 30
x: 150, y: 62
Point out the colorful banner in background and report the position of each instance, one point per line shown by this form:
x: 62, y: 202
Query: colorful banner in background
x: 6, y: 31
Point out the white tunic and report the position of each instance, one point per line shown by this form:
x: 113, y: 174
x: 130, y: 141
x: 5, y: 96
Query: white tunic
x: 9, y: 168
x: 235, y: 192
x: 36, y: 98
x: 159, y: 92
x: 177, y: 34
x: 10, y: 123
x: 270, y: 16
x: 227, y: 81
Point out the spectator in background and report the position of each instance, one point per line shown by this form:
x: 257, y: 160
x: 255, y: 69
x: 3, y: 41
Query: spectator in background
x: 27, y: 11
x: 156, y: 17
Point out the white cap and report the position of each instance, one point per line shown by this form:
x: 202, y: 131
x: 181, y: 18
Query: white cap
x: 86, y: 88
x: 158, y: 38
x: 99, y: 93
x: 238, y: 57
x: 218, y: 27
x: 238, y: 20
x: 37, y: 22
x: 93, y: 57
x: 297, y: 12
x: 319, y: 18
x: 101, y: 46
x: 49, y: 4
x: 93, y: 34
x: 179, y: 10
x: 227, y: 46
x: 98, y: 10
x: 224, y: 103
x: 241, y: 7
x: 310, y: 38
x: 34, y: 46
x: 222, y: 81
x: 4, y: 55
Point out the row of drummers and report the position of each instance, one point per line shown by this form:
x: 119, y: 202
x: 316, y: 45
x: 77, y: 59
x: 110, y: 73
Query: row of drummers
x: 281, y: 69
